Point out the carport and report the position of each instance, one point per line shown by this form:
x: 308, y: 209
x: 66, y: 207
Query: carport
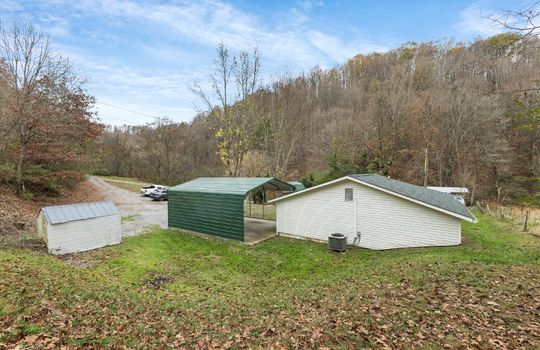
x: 215, y: 206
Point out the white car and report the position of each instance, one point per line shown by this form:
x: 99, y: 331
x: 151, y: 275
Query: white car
x: 147, y: 190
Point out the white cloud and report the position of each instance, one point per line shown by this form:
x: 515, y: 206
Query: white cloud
x: 336, y: 50
x: 474, y: 20
x: 119, y: 84
x: 8, y: 5
x: 173, y: 42
x: 209, y: 22
x: 308, y: 5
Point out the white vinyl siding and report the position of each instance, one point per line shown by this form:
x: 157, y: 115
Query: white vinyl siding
x: 384, y: 220
x: 82, y: 235
x: 317, y: 214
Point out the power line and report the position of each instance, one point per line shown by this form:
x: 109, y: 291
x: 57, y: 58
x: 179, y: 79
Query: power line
x: 126, y: 110
x: 130, y: 122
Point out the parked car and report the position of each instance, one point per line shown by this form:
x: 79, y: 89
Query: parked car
x: 160, y: 195
x: 147, y: 190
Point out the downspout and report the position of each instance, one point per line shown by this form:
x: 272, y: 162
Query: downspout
x: 357, y: 237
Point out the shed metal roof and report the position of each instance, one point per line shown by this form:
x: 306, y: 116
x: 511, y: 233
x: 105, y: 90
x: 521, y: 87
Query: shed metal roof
x: 232, y: 185
x: 65, y: 213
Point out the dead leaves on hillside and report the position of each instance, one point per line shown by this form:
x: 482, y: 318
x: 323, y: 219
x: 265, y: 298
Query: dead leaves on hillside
x: 17, y: 215
x: 497, y: 308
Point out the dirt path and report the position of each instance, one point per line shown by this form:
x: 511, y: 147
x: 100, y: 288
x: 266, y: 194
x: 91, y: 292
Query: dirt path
x: 138, y: 212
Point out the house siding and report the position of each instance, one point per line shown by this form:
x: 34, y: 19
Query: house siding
x: 383, y: 220
x: 82, y: 235
x: 317, y: 214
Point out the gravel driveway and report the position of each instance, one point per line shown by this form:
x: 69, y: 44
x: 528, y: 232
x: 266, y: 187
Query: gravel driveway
x: 138, y: 213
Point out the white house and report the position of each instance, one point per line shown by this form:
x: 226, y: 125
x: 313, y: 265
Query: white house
x: 381, y: 213
x: 79, y: 227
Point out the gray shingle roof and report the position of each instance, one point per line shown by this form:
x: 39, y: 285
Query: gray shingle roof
x: 419, y: 193
x: 65, y: 213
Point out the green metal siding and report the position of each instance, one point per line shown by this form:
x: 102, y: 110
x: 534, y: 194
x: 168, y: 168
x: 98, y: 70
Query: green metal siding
x: 217, y: 214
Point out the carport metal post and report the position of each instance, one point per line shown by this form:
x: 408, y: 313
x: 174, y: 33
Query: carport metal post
x: 263, y: 195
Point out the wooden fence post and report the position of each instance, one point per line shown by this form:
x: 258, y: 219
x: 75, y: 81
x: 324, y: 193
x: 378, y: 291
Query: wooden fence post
x: 525, y: 226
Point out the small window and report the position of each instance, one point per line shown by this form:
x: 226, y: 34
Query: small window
x: 348, y: 194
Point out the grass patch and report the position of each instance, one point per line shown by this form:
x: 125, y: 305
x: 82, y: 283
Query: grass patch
x: 533, y: 200
x: 126, y: 186
x: 119, y: 178
x: 130, y: 218
x: 133, y: 185
x: 525, y: 191
x: 257, y: 211
x: 170, y: 289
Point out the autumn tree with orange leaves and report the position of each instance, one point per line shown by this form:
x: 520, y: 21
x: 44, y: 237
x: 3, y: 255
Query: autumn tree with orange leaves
x: 45, y: 113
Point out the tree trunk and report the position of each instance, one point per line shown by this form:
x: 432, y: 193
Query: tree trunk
x: 473, y: 192
x: 426, y: 167
x: 20, y: 170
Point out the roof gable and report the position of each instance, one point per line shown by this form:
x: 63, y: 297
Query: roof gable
x: 421, y: 194
x: 433, y: 199
x: 232, y: 185
x: 65, y: 213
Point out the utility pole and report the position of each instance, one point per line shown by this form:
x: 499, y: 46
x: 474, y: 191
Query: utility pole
x: 426, y: 167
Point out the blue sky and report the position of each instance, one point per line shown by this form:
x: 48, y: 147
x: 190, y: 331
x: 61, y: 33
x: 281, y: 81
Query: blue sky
x: 142, y: 56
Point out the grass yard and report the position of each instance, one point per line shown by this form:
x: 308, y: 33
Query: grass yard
x: 126, y: 186
x: 257, y: 211
x: 133, y: 185
x: 121, y: 178
x: 167, y: 289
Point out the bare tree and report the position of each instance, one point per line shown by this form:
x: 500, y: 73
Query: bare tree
x: 45, y: 95
x: 6, y: 118
x: 285, y: 115
x: 234, y: 125
x: 162, y: 148
x: 524, y: 21
x: 376, y: 113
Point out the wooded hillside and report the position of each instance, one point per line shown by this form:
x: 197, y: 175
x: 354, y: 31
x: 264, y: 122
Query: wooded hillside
x: 435, y: 113
x: 46, y: 122
x: 469, y: 111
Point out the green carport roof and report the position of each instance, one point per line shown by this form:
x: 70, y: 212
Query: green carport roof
x: 297, y: 185
x: 232, y: 185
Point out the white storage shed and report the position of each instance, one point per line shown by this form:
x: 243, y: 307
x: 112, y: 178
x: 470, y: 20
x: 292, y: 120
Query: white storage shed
x: 79, y: 227
x: 381, y: 213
